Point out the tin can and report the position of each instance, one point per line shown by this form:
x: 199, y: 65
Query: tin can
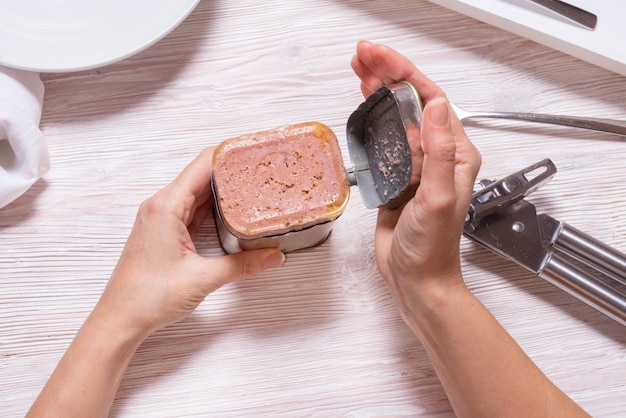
x: 280, y: 188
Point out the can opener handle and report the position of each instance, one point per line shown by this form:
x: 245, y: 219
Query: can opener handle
x: 503, y: 221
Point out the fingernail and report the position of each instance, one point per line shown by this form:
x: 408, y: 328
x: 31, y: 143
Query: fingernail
x: 438, y: 112
x: 275, y: 259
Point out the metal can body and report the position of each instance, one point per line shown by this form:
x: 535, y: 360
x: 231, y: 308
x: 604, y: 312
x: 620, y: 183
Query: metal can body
x: 286, y: 242
x: 281, y: 188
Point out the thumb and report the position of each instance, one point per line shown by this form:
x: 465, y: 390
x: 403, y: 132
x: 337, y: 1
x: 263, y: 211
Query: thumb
x: 439, y: 149
x: 244, y: 264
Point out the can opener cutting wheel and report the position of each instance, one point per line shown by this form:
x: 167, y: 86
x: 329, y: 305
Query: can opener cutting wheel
x: 502, y: 220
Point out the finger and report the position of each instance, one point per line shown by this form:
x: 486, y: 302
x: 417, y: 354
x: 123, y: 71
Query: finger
x: 365, y: 50
x: 198, y: 219
x: 468, y: 166
x: 195, y: 179
x: 379, y: 64
x: 369, y: 82
x: 364, y: 66
x: 438, y: 144
x: 451, y: 161
x: 191, y: 188
x: 391, y: 66
x: 242, y: 265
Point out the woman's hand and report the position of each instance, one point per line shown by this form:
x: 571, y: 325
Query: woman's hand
x: 419, y: 243
x: 159, y: 279
x: 482, y: 369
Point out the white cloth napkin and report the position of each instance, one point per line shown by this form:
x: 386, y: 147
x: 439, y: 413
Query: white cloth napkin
x: 24, y: 157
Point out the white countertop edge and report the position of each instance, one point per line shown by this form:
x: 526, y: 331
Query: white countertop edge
x: 534, y: 35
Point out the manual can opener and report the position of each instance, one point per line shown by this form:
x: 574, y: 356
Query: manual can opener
x: 502, y: 220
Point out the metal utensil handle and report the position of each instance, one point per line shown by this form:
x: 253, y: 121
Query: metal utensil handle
x: 595, y: 124
x: 579, y: 284
x: 591, y: 252
x: 578, y: 15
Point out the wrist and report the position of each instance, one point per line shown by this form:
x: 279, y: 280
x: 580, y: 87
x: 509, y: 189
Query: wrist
x: 92, y: 367
x: 426, y: 301
x: 103, y: 325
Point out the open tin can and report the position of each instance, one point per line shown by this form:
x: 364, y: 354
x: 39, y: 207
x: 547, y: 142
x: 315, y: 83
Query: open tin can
x: 285, y: 187
x: 280, y: 188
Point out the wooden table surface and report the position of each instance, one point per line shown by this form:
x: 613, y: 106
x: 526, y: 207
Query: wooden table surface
x: 319, y: 336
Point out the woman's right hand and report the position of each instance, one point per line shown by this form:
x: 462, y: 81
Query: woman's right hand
x: 418, y: 244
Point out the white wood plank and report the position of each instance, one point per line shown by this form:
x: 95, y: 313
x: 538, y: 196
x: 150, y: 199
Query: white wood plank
x: 320, y: 336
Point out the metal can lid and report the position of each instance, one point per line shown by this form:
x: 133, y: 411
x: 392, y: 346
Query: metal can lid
x: 378, y: 144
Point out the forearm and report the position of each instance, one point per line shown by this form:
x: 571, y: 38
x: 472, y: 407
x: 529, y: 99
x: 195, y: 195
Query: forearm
x: 483, y: 370
x: 86, y: 379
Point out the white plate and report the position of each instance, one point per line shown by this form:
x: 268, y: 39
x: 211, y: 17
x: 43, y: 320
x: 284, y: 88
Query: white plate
x: 71, y: 35
x: 603, y: 46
